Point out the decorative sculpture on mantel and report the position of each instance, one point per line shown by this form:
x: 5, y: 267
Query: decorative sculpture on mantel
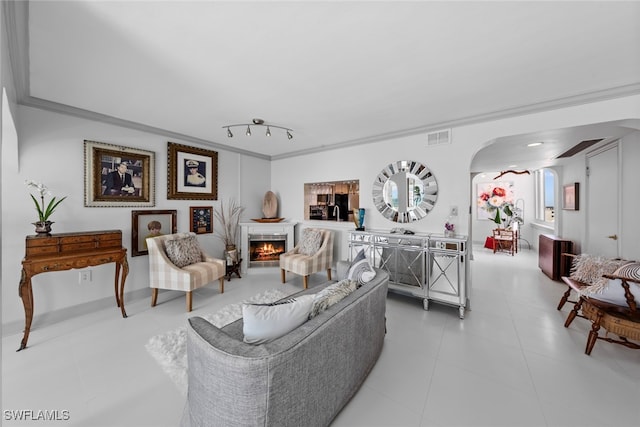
x: 270, y: 205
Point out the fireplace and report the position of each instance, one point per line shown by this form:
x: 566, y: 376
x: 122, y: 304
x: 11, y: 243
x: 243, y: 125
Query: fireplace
x: 261, y: 244
x: 265, y: 249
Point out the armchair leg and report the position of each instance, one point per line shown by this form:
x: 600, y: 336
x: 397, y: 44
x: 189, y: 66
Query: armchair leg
x: 189, y: 299
x: 282, y: 275
x: 305, y: 280
x: 329, y: 273
x: 222, y: 285
x: 154, y: 296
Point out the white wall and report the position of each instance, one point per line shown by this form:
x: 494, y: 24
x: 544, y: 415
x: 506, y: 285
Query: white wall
x: 574, y: 222
x: 630, y: 248
x: 51, y: 151
x: 450, y: 164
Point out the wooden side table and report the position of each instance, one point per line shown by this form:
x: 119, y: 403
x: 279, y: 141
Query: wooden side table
x: 233, y: 268
x: 64, y: 251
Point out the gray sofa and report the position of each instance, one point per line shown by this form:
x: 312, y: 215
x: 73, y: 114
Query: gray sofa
x: 301, y: 379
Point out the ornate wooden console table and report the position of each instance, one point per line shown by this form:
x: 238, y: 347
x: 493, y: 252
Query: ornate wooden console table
x: 64, y: 251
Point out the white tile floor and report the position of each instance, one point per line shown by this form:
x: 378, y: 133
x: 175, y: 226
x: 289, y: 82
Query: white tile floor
x: 509, y: 362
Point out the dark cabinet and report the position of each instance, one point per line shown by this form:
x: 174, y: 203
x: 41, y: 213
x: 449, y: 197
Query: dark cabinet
x: 550, y: 259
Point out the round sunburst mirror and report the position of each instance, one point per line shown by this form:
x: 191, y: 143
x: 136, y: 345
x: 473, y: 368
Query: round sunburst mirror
x: 405, y: 191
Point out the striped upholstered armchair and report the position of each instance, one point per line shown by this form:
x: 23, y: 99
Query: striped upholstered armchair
x: 177, y: 262
x: 313, y: 253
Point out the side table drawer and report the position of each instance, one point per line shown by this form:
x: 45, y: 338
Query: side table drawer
x: 67, y: 264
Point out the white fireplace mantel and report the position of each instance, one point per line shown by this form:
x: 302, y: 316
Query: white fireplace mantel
x: 247, y: 228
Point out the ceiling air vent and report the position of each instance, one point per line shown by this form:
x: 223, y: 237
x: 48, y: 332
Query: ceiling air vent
x: 439, y: 137
x: 583, y: 145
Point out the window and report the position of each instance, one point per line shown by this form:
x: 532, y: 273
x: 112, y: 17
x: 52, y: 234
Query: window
x: 545, y: 196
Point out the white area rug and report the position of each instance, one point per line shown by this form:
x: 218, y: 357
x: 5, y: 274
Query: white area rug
x: 170, y: 349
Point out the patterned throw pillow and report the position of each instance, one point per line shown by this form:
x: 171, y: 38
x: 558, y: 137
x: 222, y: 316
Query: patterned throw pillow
x: 265, y: 322
x: 331, y: 295
x: 360, y: 270
x: 183, y: 252
x: 629, y: 271
x: 311, y: 242
x: 590, y: 268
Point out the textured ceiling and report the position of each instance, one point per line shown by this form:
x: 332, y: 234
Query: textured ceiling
x: 335, y: 72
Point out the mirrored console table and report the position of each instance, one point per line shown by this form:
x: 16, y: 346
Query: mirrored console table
x: 427, y: 266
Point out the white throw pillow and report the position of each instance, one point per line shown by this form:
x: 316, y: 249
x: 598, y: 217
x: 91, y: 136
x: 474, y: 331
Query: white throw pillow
x: 266, y: 322
x: 361, y: 270
x: 613, y: 292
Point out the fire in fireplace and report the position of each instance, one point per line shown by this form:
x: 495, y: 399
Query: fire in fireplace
x: 265, y: 249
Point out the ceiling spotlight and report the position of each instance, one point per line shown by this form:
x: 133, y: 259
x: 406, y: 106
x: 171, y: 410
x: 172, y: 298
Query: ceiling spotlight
x: 258, y: 122
x: 535, y: 144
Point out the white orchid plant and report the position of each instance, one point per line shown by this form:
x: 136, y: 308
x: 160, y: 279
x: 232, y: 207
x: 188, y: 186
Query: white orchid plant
x: 44, y: 211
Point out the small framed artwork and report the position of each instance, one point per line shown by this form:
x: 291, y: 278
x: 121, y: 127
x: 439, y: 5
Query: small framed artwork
x: 192, y: 173
x: 116, y: 176
x: 201, y: 219
x: 570, y: 194
x: 150, y: 223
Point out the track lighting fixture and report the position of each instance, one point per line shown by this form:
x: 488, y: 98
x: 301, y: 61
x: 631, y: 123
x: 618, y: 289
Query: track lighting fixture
x: 257, y: 122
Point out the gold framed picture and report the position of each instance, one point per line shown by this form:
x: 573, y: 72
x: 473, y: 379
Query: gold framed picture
x: 117, y: 176
x: 192, y: 173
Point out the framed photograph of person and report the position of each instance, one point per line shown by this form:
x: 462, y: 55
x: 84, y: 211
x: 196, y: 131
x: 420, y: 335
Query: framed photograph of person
x: 201, y: 219
x: 116, y: 176
x: 192, y: 173
x: 150, y: 223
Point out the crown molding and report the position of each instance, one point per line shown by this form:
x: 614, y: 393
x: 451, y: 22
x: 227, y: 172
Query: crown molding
x: 585, y: 98
x: 56, y: 107
x: 16, y: 18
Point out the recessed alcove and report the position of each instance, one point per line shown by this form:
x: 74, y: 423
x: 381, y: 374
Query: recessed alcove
x: 331, y: 200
